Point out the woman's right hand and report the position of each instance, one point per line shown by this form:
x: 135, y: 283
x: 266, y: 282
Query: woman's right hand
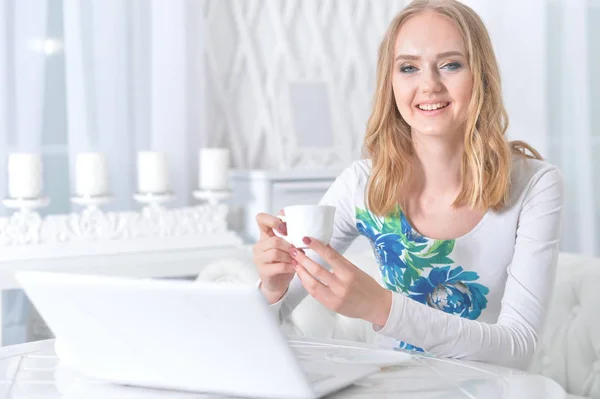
x: 272, y: 258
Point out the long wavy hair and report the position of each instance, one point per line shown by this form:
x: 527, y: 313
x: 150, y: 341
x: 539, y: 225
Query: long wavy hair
x: 486, y: 162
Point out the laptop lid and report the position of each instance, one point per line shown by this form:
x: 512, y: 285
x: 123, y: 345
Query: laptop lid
x: 167, y: 333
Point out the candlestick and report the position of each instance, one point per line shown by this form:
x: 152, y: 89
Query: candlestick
x: 213, y: 169
x: 92, y: 202
x: 153, y: 175
x: 153, y: 201
x: 91, y: 174
x: 212, y: 197
x: 26, y: 205
x: 25, y: 175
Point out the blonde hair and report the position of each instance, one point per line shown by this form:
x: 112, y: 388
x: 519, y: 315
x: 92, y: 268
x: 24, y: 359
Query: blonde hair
x: 486, y: 161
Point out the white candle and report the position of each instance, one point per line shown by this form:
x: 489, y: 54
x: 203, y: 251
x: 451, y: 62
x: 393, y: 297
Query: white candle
x: 213, y: 169
x: 25, y: 175
x: 152, y: 172
x: 91, y: 174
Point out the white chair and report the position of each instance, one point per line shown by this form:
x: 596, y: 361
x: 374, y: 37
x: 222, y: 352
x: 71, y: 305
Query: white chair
x: 569, y: 351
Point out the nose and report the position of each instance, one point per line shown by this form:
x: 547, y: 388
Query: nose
x: 431, y: 82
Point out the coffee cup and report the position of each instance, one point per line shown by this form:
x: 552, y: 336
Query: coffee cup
x: 315, y: 221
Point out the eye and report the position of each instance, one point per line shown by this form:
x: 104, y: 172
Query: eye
x: 408, y: 69
x: 452, y: 66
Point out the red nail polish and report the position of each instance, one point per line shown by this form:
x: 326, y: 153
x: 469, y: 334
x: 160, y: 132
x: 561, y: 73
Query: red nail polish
x: 306, y: 240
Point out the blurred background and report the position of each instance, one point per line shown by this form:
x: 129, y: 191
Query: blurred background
x: 119, y: 76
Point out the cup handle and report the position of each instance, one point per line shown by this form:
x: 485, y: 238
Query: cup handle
x: 277, y: 233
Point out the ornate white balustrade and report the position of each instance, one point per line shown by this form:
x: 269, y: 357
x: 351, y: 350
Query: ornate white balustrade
x: 26, y: 235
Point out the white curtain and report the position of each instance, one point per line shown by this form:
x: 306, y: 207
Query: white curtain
x: 130, y: 78
x: 22, y: 87
x: 548, y: 51
x: 134, y: 83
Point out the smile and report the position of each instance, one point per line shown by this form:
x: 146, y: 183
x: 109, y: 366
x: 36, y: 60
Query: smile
x: 432, y: 107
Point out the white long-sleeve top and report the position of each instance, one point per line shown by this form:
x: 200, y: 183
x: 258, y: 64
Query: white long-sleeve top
x: 482, y: 296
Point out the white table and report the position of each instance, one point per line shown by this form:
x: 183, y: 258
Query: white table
x: 32, y: 370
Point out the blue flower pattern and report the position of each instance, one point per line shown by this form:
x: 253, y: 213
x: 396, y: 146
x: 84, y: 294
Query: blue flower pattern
x: 451, y: 291
x: 420, y: 268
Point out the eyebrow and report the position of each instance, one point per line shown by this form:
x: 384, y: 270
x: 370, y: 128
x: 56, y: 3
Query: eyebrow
x: 416, y: 57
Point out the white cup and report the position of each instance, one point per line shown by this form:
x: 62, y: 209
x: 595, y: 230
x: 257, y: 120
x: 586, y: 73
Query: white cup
x: 315, y: 221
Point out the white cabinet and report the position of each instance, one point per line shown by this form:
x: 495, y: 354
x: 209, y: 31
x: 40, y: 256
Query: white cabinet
x: 268, y: 191
x: 297, y: 193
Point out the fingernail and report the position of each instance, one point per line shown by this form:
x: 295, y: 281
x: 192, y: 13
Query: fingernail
x: 306, y: 240
x: 282, y: 228
x: 294, y: 263
x: 293, y: 251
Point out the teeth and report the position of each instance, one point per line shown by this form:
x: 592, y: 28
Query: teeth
x: 432, y: 107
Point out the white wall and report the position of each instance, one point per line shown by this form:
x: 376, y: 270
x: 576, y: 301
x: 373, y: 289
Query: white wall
x: 257, y: 48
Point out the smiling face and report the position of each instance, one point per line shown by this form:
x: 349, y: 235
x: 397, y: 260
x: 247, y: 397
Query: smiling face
x: 432, y: 81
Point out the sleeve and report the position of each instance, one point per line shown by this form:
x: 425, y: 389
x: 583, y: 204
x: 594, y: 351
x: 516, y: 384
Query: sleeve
x: 512, y: 340
x: 341, y: 194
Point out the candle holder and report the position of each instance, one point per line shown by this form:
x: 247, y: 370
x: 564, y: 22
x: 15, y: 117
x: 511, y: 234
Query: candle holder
x: 24, y: 225
x: 26, y: 205
x: 154, y: 200
x: 213, y: 197
x: 91, y: 202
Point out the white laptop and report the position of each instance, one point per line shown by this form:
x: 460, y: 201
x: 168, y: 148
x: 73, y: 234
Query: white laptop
x: 180, y: 335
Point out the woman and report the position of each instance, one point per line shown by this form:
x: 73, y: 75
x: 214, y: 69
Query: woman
x: 464, y: 224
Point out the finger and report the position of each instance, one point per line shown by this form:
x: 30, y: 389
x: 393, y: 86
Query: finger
x: 316, y: 270
x: 274, y: 256
x: 275, y: 269
x: 340, y: 266
x: 266, y: 223
x: 272, y: 243
x: 315, y: 288
x: 329, y: 255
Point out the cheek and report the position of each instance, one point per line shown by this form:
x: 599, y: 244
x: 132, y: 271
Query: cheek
x: 402, y: 96
x: 461, y: 91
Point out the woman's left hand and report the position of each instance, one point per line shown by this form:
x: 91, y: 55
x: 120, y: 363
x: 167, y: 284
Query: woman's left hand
x: 345, y: 289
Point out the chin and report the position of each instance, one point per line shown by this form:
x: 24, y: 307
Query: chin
x: 436, y: 131
x: 432, y: 132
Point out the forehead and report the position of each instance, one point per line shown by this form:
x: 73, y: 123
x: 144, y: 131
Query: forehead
x: 427, y: 34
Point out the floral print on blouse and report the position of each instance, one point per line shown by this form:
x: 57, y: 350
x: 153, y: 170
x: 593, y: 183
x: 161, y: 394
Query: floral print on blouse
x: 421, y: 268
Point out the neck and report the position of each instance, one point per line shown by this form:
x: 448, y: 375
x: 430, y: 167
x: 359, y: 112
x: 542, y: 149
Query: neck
x: 436, y: 165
